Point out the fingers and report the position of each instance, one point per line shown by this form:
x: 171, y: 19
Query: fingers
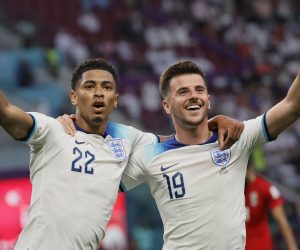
x: 72, y: 117
x: 229, y: 137
x: 67, y: 122
x: 221, y: 139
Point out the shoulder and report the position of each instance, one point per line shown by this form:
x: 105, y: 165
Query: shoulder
x: 44, y: 128
x: 266, y: 186
x: 120, y: 130
x: 155, y: 150
x: 117, y: 130
x: 42, y: 121
x: 262, y: 182
x: 42, y: 118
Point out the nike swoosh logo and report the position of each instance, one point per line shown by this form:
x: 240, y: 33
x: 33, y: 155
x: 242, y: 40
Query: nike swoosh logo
x: 162, y: 168
x: 79, y: 142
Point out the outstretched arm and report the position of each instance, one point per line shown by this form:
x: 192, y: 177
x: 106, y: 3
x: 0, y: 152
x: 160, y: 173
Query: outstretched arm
x: 15, y: 121
x: 285, y: 229
x: 229, y: 130
x: 285, y: 112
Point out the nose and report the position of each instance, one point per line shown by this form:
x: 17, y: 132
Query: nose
x: 194, y: 94
x: 98, y: 91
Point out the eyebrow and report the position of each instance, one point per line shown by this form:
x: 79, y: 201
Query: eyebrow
x: 196, y: 87
x: 93, y: 81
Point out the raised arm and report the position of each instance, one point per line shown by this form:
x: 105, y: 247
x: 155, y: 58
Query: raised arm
x: 15, y: 121
x: 283, y: 114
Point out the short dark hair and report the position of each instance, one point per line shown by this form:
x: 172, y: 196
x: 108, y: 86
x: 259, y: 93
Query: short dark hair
x: 90, y: 64
x: 179, y: 68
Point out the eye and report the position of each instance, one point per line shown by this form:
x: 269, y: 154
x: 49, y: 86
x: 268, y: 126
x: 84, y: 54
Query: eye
x: 182, y: 92
x: 89, y: 86
x: 108, y: 87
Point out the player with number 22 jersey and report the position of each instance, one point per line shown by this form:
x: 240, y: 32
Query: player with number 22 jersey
x: 75, y: 183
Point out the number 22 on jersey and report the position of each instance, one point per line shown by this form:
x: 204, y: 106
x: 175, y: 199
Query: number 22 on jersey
x: 88, y: 158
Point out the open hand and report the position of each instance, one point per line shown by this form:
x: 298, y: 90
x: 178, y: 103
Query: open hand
x: 68, y: 122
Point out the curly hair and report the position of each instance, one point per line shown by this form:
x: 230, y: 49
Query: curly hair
x: 90, y: 64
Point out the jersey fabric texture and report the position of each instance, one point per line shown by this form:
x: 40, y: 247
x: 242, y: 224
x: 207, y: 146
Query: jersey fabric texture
x: 199, y: 190
x: 261, y: 196
x: 75, y: 182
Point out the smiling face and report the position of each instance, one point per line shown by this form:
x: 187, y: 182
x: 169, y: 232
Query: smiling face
x: 95, y: 98
x: 187, y: 100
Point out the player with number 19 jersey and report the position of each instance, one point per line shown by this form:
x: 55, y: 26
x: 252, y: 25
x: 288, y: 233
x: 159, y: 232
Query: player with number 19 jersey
x: 199, y: 190
x: 76, y: 181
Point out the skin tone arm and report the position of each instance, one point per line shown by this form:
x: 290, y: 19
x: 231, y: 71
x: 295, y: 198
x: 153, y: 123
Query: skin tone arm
x: 285, y: 112
x: 283, y: 224
x: 229, y: 130
x: 15, y: 121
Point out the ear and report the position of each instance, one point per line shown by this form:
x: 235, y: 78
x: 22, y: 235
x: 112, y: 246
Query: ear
x: 73, y: 97
x: 166, y: 107
x: 116, y: 101
x: 208, y: 102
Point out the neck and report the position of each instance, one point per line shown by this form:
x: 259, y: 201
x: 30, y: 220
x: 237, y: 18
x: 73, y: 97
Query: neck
x: 192, y: 135
x: 93, y: 127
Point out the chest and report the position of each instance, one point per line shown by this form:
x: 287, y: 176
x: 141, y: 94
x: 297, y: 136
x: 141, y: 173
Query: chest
x: 87, y: 155
x: 197, y: 175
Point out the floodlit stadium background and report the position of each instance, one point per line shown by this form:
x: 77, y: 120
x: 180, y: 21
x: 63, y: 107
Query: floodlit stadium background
x: 250, y: 51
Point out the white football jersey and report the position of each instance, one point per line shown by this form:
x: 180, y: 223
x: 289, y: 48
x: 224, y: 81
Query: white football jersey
x: 199, y: 190
x: 75, y: 182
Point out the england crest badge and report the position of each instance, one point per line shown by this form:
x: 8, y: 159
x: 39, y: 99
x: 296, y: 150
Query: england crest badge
x: 220, y: 158
x: 117, y: 148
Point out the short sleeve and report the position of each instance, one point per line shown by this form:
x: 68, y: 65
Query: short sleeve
x: 255, y: 133
x: 44, y: 127
x: 274, y: 198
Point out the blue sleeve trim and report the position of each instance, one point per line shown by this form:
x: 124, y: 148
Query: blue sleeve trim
x: 32, y: 130
x: 265, y: 129
x: 158, y: 139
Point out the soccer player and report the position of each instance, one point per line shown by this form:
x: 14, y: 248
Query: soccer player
x: 199, y: 189
x: 263, y: 197
x: 75, y: 180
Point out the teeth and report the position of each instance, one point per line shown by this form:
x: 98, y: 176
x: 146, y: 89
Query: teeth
x: 193, y: 107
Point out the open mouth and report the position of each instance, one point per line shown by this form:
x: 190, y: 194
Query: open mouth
x: 193, y: 107
x: 98, y: 106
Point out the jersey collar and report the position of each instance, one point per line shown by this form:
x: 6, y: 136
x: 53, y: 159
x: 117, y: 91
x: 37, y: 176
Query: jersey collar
x: 86, y: 132
x: 176, y: 144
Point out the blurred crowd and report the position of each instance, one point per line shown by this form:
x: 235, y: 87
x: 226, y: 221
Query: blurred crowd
x: 249, y: 50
